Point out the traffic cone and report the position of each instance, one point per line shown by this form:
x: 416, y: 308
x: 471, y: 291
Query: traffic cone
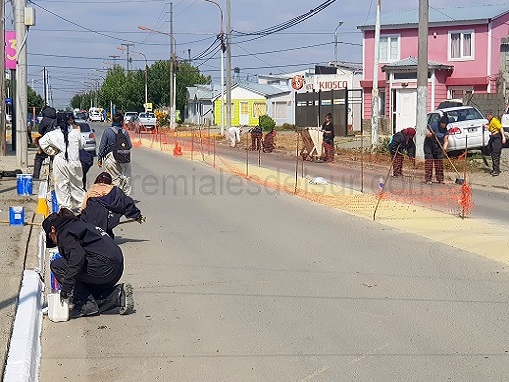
x: 177, y: 151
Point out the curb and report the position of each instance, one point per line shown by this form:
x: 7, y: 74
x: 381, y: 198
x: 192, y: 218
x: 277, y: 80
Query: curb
x: 23, y: 359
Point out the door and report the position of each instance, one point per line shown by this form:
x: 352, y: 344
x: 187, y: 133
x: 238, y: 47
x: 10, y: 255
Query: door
x: 406, y: 108
x: 244, y: 113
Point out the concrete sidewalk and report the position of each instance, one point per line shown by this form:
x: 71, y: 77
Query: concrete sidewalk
x: 15, y: 244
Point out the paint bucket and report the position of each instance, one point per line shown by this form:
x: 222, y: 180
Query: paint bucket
x: 58, y: 310
x: 25, y: 184
x: 16, y: 215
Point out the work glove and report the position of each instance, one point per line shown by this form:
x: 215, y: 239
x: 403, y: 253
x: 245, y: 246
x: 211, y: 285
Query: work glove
x: 141, y: 219
x: 64, y: 295
x: 99, y: 162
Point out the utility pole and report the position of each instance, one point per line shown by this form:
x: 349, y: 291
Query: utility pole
x: 375, y: 101
x: 21, y: 83
x: 172, y: 62
x: 127, y: 46
x: 45, y: 84
x: 3, y: 133
x: 422, y: 78
x: 228, y: 66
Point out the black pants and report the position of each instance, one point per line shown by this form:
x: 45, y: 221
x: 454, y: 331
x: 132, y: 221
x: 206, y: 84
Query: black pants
x: 93, y: 285
x: 495, y: 147
x: 433, y: 157
x: 40, y: 156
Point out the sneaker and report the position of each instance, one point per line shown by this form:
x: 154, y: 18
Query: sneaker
x: 428, y: 182
x: 495, y: 173
x: 85, y: 310
x: 127, y: 300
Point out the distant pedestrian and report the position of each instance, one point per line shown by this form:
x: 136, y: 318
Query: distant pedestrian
x: 90, y: 266
x: 256, y: 138
x: 497, y: 140
x: 48, y: 123
x: 115, y: 162
x: 401, y: 142
x: 435, y: 146
x: 234, y: 135
x: 328, y: 138
x: 64, y: 144
x: 268, y: 141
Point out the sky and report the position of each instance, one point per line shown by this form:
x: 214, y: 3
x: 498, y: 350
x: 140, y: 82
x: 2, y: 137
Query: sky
x: 78, y: 40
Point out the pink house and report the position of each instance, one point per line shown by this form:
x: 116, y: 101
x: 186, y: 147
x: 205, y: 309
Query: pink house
x: 464, y: 46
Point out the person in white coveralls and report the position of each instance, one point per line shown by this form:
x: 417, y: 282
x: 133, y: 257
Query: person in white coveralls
x: 64, y: 144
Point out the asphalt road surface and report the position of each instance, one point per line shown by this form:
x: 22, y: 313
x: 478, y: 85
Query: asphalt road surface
x: 236, y: 282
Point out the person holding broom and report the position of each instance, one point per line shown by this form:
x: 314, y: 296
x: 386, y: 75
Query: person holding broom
x: 435, y: 146
x: 400, y: 142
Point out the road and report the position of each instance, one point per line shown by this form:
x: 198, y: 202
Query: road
x: 236, y: 282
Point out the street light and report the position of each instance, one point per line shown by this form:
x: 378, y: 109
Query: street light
x: 223, y: 49
x: 146, y: 75
x: 336, y: 42
x: 173, y: 77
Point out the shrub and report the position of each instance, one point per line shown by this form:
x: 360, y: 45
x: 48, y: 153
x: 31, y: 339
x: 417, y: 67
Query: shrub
x: 287, y: 126
x: 266, y: 123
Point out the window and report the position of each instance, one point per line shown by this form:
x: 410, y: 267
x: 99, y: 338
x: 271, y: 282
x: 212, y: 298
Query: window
x: 280, y: 109
x: 389, y: 48
x: 381, y: 95
x: 461, y: 45
x: 259, y: 109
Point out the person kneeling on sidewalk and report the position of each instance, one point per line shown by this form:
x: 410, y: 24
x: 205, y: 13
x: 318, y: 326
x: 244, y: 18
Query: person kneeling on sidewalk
x: 90, y: 266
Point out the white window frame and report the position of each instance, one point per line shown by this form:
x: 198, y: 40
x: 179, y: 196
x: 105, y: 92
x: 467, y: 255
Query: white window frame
x: 390, y: 37
x: 462, y: 57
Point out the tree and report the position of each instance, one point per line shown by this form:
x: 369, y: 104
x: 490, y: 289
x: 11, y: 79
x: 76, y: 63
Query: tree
x: 187, y: 75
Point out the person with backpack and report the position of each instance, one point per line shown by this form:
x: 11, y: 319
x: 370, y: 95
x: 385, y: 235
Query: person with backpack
x: 115, y: 154
x: 64, y: 144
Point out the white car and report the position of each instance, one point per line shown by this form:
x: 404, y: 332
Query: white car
x: 148, y: 120
x: 466, y: 127
x: 130, y: 116
x: 95, y: 116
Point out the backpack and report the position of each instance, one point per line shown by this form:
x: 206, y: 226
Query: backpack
x: 121, y: 148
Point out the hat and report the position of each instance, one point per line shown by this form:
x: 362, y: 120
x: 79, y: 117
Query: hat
x: 50, y: 221
x: 444, y: 119
x: 410, y: 132
x: 56, y: 220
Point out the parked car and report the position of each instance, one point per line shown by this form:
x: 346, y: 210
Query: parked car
x: 80, y: 117
x: 505, y: 126
x: 455, y: 102
x: 130, y: 116
x: 465, y: 127
x: 89, y: 135
x: 148, y: 120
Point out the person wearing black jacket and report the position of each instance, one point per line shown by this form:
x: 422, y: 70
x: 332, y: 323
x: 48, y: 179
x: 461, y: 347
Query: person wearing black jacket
x: 48, y: 123
x: 105, y: 204
x: 90, y: 266
x: 400, y: 142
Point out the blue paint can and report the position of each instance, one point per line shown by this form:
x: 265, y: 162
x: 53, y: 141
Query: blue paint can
x: 16, y: 215
x: 25, y: 184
